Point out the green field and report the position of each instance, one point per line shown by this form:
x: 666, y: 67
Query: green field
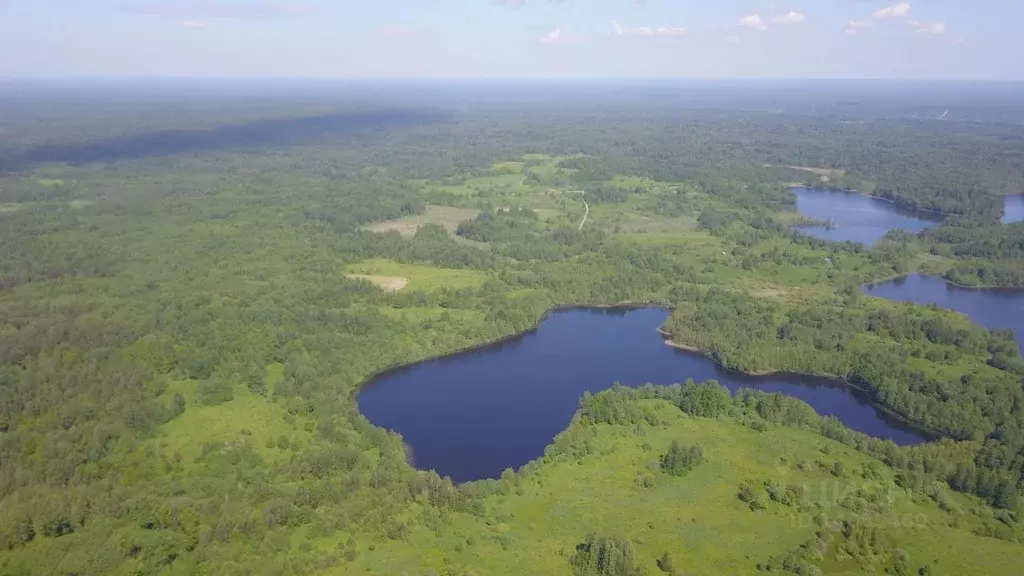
x: 444, y: 216
x: 424, y: 278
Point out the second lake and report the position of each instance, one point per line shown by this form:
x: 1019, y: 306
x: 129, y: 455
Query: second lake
x: 474, y: 414
x: 856, y: 217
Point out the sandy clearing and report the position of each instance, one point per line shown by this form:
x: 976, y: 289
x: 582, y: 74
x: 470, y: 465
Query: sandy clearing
x: 385, y: 283
x: 443, y: 215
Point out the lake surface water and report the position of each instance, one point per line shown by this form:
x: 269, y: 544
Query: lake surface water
x: 857, y: 218
x: 474, y: 414
x: 1013, y: 208
x: 989, y: 307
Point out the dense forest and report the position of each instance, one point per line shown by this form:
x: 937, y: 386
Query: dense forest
x: 188, y: 306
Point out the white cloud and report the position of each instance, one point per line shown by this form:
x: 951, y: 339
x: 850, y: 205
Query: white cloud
x: 928, y: 27
x: 648, y: 31
x: 193, y: 24
x: 791, y: 17
x: 753, y: 21
x: 732, y: 39
x: 556, y: 36
x: 895, y: 11
x: 853, y: 26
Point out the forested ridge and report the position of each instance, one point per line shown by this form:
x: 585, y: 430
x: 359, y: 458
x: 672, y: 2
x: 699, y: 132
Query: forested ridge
x: 183, y: 330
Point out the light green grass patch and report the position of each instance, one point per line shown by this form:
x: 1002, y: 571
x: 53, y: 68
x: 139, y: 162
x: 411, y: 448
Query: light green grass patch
x: 698, y: 519
x: 420, y: 277
x: 225, y: 422
x: 510, y: 166
x: 445, y: 216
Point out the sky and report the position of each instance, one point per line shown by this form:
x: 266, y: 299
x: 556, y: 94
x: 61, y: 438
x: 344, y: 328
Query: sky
x: 691, y: 39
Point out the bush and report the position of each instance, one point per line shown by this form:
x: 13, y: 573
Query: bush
x: 747, y: 493
x: 604, y: 556
x: 679, y: 460
x: 665, y: 564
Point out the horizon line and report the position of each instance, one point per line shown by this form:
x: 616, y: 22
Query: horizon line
x: 624, y: 79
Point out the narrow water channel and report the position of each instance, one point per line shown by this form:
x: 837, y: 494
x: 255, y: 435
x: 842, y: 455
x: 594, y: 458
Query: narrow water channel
x: 990, y: 307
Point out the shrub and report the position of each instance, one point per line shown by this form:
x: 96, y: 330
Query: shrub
x: 604, y: 556
x: 679, y: 460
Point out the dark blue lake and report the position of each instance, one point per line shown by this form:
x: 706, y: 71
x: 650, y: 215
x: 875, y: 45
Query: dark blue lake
x: 474, y: 414
x: 1013, y: 208
x: 856, y: 217
x: 989, y: 307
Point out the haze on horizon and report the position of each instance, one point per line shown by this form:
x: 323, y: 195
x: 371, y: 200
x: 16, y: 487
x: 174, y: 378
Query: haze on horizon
x: 934, y: 40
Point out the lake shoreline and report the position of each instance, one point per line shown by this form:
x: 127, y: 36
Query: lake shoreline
x: 623, y: 305
x: 884, y: 199
x: 946, y: 280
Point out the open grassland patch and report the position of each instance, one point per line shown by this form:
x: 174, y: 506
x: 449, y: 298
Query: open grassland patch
x: 825, y: 174
x: 385, y: 283
x: 650, y: 224
x: 418, y: 276
x: 509, y: 166
x: 247, y: 419
x: 534, y: 526
x: 445, y: 216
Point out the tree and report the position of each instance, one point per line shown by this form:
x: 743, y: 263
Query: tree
x: 707, y: 400
x: 679, y: 460
x: 604, y: 556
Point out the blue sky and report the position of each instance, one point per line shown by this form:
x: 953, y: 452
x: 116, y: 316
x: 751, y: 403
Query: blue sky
x: 929, y: 39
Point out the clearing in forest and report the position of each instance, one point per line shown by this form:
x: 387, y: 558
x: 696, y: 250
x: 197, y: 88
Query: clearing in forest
x: 826, y: 174
x: 445, y: 216
x: 385, y: 283
x: 244, y: 418
x: 416, y: 276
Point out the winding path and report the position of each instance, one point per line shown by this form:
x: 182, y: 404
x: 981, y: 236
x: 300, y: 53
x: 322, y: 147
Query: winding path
x: 585, y: 214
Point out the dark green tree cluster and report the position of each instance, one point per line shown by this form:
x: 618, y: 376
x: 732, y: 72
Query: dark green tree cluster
x: 679, y: 459
x: 605, y: 556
